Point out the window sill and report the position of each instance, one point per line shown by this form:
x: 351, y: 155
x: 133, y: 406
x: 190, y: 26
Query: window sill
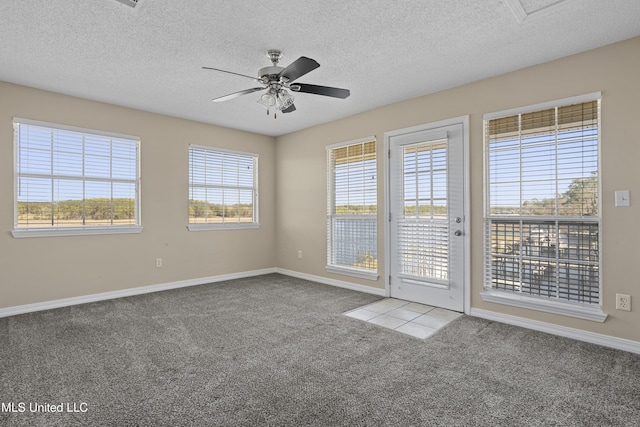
x: 227, y: 226
x: 354, y: 272
x: 580, y: 311
x: 73, y: 231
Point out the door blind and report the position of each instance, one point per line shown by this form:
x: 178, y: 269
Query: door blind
x: 423, y: 229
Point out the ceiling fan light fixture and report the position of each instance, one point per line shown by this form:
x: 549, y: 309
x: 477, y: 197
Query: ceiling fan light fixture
x: 267, y: 100
x: 284, y: 100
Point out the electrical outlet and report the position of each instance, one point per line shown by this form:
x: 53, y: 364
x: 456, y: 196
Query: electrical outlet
x: 623, y: 302
x: 300, y: 254
x: 158, y: 262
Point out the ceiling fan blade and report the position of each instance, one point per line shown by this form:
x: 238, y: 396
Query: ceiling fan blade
x: 237, y: 94
x: 321, y: 90
x: 289, y: 109
x: 299, y: 68
x: 231, y: 72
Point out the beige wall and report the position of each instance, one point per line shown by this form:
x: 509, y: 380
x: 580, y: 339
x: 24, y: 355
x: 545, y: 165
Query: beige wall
x: 293, y: 189
x: 49, y: 268
x: 301, y: 173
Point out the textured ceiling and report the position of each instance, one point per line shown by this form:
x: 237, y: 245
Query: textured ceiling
x: 150, y: 57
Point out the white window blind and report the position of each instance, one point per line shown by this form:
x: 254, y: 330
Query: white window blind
x: 223, y: 188
x: 542, y: 218
x: 74, y: 181
x: 352, y: 208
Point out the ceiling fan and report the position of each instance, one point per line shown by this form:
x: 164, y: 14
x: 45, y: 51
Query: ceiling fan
x: 277, y: 80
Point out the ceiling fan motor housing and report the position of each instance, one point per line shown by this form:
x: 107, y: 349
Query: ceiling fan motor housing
x: 270, y: 72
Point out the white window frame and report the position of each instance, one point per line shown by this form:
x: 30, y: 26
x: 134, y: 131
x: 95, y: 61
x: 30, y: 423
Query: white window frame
x: 562, y: 307
x: 255, y: 223
x: 361, y: 273
x: 61, y: 230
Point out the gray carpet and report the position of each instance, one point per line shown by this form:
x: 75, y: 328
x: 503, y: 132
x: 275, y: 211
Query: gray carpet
x: 275, y: 350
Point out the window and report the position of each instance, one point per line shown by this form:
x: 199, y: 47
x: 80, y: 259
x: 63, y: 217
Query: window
x: 223, y: 189
x: 74, y: 181
x: 352, y: 209
x: 542, y: 216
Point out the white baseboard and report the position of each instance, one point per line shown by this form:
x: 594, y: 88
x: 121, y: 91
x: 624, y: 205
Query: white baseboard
x: 577, y: 334
x: 47, y: 305
x: 333, y: 282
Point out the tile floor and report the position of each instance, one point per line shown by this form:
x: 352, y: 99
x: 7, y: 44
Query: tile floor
x: 417, y: 320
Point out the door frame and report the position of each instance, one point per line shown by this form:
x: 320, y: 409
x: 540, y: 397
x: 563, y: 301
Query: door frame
x: 461, y: 120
